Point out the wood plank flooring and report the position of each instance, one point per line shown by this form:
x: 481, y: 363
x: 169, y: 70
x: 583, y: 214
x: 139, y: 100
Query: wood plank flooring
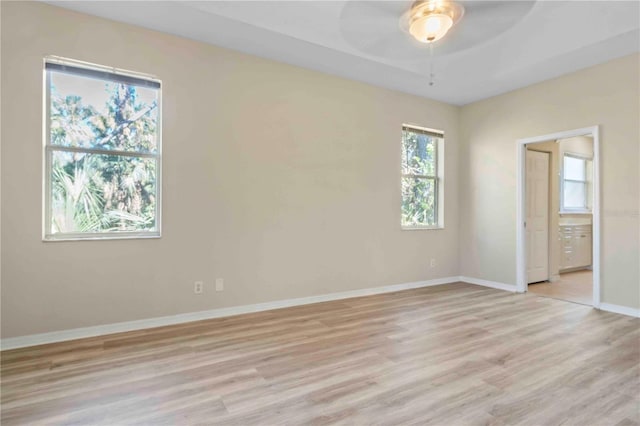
x: 455, y: 354
x: 572, y: 286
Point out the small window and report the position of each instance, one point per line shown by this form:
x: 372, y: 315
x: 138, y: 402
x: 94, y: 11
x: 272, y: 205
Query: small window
x: 576, y: 183
x: 422, y: 183
x: 102, y: 153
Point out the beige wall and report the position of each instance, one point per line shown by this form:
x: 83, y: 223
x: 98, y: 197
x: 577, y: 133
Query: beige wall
x: 608, y: 95
x: 283, y: 181
x: 578, y: 145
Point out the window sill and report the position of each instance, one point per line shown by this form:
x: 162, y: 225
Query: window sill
x: 421, y: 228
x: 575, y: 212
x: 55, y: 239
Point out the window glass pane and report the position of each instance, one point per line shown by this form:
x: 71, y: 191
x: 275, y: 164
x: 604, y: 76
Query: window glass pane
x: 418, y: 154
x: 92, y: 113
x: 418, y: 201
x: 575, y: 195
x: 102, y: 193
x: 574, y: 168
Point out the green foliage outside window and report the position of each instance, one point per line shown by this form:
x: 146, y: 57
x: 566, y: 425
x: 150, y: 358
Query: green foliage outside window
x: 419, y: 179
x: 91, y: 189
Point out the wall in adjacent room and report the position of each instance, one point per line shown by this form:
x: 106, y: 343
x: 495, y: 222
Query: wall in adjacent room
x: 283, y: 181
x: 608, y: 95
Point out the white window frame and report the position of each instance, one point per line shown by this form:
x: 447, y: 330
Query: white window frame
x: 48, y: 150
x: 587, y: 207
x: 438, y: 177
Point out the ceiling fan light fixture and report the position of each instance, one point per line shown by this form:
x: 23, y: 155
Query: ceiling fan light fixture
x: 430, y: 28
x: 430, y: 20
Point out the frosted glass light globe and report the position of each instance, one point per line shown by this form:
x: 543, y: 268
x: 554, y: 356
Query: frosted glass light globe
x: 431, y: 27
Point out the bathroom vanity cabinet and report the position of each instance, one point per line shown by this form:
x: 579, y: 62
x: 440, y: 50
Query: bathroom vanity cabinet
x: 576, y: 243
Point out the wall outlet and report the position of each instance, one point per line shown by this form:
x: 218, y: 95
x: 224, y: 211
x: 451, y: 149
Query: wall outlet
x: 433, y: 263
x: 219, y: 284
x: 198, y: 287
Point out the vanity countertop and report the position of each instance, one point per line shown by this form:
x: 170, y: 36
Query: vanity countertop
x: 574, y: 221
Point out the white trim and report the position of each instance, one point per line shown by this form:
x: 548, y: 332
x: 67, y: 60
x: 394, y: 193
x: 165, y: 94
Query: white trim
x: 492, y: 284
x: 426, y: 129
x: 618, y: 309
x: 421, y: 228
x: 89, y: 65
x: 100, y: 330
x: 521, y: 262
x: 573, y: 212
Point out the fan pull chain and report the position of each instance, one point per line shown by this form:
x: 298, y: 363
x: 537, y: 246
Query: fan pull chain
x: 431, y: 60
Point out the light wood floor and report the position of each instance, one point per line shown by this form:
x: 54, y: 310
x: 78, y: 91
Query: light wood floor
x: 573, y: 286
x: 454, y: 354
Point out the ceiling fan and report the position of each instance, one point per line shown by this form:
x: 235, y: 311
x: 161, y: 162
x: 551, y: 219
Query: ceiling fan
x: 402, y: 30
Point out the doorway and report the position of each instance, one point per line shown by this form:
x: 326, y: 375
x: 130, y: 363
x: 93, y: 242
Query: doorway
x: 558, y: 216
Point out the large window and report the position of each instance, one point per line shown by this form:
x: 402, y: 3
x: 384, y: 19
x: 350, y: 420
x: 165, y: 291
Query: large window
x: 102, y: 152
x: 576, y: 183
x: 421, y: 178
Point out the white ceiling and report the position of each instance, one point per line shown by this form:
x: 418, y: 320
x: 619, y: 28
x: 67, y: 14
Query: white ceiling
x: 498, y: 46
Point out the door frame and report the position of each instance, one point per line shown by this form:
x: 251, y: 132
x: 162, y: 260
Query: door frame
x: 521, y: 258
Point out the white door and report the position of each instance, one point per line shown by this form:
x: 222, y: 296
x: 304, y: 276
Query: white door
x: 537, y: 225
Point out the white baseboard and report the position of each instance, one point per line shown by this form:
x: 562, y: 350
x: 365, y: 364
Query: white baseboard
x: 485, y: 283
x: 100, y: 330
x: 617, y: 309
